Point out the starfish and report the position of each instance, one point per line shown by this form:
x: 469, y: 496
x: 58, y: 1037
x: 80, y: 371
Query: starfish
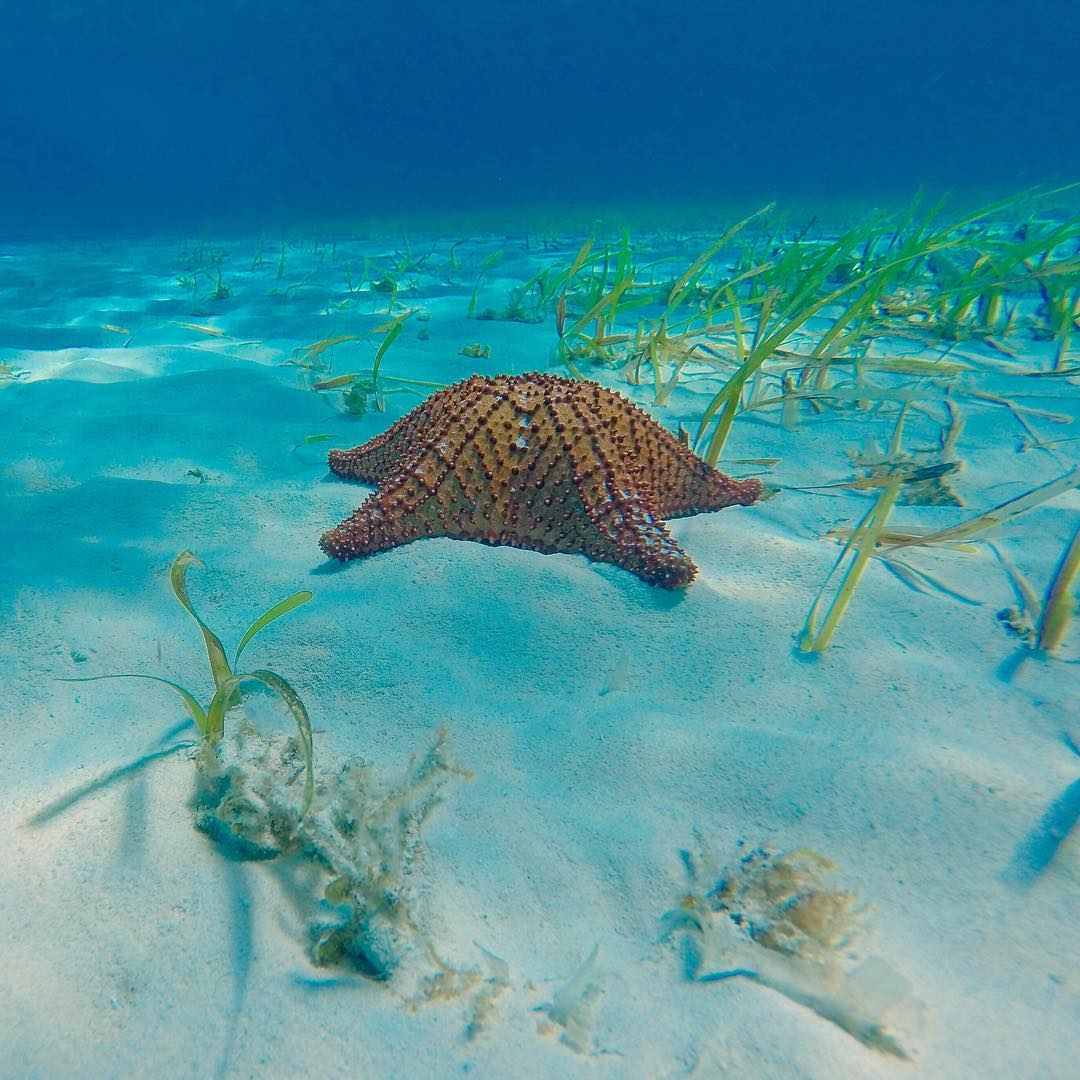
x: 533, y: 461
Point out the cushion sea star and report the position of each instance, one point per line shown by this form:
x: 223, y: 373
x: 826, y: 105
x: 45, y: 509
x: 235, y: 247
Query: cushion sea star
x: 533, y: 461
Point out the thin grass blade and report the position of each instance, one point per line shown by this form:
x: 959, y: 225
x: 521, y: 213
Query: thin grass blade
x: 710, y: 253
x: 1060, y: 599
x: 1000, y: 514
x: 196, y: 711
x: 264, y: 620
x: 863, y: 541
x: 303, y: 722
x: 219, y: 663
x: 391, y: 337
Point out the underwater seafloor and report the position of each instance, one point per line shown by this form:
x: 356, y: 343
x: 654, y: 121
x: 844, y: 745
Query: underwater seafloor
x: 561, y: 823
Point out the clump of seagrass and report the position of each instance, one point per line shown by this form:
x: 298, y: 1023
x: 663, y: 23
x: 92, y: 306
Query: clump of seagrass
x: 778, y: 920
x: 228, y: 684
x: 353, y: 836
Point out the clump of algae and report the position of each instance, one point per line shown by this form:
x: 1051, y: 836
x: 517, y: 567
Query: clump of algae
x: 573, y: 1007
x: 778, y: 920
x: 482, y: 990
x: 347, y: 839
x: 352, y: 851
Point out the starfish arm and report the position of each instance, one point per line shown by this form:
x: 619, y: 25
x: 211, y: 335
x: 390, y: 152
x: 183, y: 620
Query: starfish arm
x: 634, y: 538
x: 400, y: 511
x: 696, y: 487
x: 422, y: 494
x: 620, y: 503
x: 365, y: 532
x: 684, y: 484
x: 372, y: 462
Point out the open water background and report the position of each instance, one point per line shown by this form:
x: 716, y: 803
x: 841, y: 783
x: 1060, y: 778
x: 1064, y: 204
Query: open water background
x: 119, y: 114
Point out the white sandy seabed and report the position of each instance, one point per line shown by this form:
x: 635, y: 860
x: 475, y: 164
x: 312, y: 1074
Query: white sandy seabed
x: 606, y: 723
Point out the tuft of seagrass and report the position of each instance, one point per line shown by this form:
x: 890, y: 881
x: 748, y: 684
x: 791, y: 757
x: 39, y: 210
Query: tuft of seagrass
x: 533, y: 461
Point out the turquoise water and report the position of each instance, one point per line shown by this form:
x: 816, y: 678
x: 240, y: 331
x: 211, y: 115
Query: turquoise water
x: 514, y: 807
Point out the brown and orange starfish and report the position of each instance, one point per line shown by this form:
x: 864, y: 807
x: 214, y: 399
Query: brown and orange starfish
x: 533, y: 461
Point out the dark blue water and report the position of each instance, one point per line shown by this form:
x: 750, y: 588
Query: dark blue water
x: 119, y: 113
